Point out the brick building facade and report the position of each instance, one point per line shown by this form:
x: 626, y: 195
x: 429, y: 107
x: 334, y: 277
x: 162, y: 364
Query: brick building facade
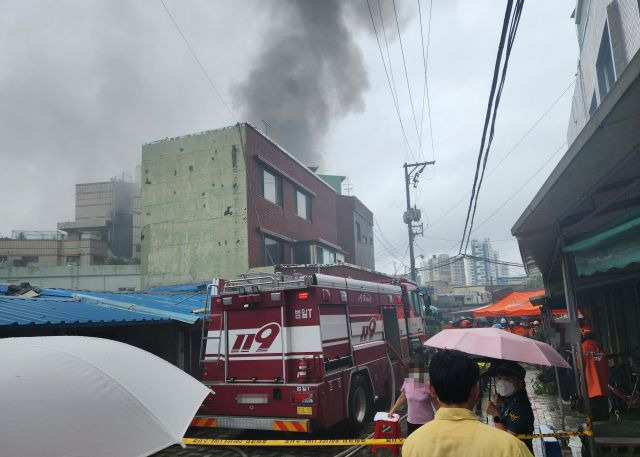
x: 228, y: 201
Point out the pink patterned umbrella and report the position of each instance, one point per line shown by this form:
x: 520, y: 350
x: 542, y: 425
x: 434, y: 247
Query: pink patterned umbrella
x: 497, y: 344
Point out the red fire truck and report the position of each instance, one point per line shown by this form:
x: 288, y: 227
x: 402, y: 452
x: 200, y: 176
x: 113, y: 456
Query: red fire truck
x: 307, y: 352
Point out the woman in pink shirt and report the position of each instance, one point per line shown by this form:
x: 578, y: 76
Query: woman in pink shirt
x: 415, y: 392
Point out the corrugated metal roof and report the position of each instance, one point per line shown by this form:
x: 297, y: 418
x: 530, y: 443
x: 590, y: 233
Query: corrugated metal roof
x: 194, y: 287
x: 61, y: 311
x: 182, y: 307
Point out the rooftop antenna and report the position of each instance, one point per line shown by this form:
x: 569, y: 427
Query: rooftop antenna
x: 266, y: 127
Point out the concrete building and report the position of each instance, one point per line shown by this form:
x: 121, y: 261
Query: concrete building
x: 443, y: 269
x: 608, y: 36
x: 50, y: 248
x: 105, y: 210
x: 355, y: 231
x: 460, y: 272
x: 226, y: 201
x: 115, y: 278
x: 484, y: 268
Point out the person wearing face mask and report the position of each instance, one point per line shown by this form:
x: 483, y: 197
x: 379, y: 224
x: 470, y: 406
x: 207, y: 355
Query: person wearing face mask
x: 415, y: 392
x: 511, y: 408
x: 455, y: 429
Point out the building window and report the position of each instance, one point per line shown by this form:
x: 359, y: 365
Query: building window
x: 303, y: 205
x: 604, y: 65
x: 301, y: 254
x: 73, y: 260
x: 30, y: 260
x: 358, y: 232
x: 271, y: 186
x: 324, y: 255
x: 271, y: 251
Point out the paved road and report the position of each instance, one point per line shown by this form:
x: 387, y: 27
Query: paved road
x: 546, y: 410
x: 208, y: 451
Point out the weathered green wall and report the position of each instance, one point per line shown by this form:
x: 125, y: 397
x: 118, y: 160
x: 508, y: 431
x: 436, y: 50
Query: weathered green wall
x: 193, y: 208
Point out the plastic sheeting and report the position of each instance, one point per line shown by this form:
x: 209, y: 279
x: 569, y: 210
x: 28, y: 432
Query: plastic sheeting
x: 78, y: 396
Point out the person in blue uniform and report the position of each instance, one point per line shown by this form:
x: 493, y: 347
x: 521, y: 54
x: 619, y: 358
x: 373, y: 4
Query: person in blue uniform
x: 511, y: 408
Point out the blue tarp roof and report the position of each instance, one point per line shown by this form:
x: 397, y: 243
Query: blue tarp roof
x: 56, y: 311
x: 77, y: 306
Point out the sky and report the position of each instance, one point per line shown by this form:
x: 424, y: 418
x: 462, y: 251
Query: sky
x: 83, y: 84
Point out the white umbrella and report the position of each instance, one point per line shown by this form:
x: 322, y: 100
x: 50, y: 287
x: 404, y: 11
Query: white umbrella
x: 79, y: 396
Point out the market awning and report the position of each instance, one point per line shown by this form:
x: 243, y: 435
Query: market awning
x: 596, y: 181
x: 615, y: 247
x: 514, y: 304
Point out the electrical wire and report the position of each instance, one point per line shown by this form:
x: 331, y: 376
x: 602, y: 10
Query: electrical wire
x: 195, y: 57
x: 512, y: 196
x: 494, y: 83
x: 425, y: 91
x: 513, y: 28
x: 515, y: 146
x: 393, y: 94
x: 406, y: 74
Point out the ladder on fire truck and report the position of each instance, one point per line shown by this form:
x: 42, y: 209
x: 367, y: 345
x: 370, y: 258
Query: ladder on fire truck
x: 247, y: 283
x: 207, y: 318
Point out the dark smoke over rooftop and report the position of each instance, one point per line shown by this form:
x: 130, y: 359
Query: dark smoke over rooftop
x: 309, y: 73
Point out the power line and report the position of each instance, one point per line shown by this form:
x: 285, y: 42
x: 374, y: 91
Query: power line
x: 515, y: 21
x: 406, y: 74
x: 425, y: 91
x: 384, y: 242
x: 512, y: 196
x: 459, y: 257
x: 521, y: 187
x: 510, y: 25
x: 195, y: 57
x: 393, y: 95
x: 515, y: 146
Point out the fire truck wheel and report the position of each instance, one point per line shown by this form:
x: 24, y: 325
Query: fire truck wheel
x: 360, y: 403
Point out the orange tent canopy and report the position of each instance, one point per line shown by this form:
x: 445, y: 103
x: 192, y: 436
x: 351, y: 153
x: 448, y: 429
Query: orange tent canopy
x: 514, y: 304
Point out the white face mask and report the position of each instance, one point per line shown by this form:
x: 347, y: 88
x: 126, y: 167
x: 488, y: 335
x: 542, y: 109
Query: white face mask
x: 505, y: 388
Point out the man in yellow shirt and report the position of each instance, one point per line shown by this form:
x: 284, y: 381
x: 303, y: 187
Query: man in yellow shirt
x: 455, y: 430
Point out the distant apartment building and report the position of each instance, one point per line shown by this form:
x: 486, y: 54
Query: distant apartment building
x: 445, y: 269
x: 227, y: 201
x: 484, y: 263
x: 608, y: 37
x: 103, y: 228
x: 460, y: 272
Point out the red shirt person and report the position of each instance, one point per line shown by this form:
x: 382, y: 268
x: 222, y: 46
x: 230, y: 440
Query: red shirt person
x: 596, y: 370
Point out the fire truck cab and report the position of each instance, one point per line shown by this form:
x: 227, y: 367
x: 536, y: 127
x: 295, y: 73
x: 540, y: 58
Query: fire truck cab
x: 298, y: 353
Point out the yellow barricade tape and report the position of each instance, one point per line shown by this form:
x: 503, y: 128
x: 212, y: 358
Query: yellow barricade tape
x: 354, y: 442
x: 555, y: 435
x: 347, y: 442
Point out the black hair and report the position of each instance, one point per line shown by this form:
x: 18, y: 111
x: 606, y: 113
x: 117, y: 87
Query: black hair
x: 419, y: 361
x: 453, y: 374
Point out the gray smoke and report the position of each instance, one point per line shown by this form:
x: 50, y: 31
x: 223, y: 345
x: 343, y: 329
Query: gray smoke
x: 310, y: 73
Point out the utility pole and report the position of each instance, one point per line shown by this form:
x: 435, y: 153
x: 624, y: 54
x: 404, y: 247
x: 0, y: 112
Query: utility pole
x: 411, y: 173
